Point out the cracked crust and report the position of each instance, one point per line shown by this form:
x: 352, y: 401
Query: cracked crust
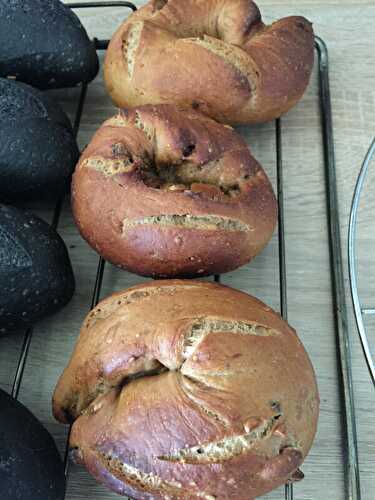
x: 156, y: 54
x: 170, y: 193
x: 188, y: 389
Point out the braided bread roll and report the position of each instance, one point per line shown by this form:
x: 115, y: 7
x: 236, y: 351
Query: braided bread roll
x: 188, y: 390
x: 167, y: 193
x: 216, y: 56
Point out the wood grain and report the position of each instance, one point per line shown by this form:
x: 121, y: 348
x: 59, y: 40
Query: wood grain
x: 347, y: 28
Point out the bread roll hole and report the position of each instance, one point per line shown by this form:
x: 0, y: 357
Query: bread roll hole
x: 275, y: 405
x: 142, y: 367
x: 206, y: 178
x: 232, y: 190
x: 210, y: 179
x: 188, y: 150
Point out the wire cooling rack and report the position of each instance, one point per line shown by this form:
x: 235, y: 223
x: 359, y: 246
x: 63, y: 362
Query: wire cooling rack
x: 336, y: 266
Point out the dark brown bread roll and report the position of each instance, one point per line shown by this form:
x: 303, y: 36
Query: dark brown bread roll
x: 214, y: 55
x: 188, y: 389
x: 163, y: 192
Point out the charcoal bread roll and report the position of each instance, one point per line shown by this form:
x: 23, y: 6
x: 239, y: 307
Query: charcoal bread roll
x: 36, y: 275
x: 188, y: 389
x: 30, y: 464
x: 168, y: 193
x: 216, y: 56
x: 44, y: 44
x: 38, y: 150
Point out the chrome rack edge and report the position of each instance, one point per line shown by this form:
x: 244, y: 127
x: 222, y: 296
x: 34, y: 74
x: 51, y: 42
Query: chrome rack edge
x: 352, y: 474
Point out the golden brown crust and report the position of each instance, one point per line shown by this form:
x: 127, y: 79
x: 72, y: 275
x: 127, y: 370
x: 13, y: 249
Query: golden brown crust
x: 216, y: 56
x: 188, y: 389
x: 163, y: 192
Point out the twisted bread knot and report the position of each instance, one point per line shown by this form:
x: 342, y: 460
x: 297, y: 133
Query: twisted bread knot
x: 230, y: 21
x: 215, y: 55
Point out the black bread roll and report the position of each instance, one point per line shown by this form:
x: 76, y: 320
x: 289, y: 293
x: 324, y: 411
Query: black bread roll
x: 44, y: 44
x: 36, y: 275
x: 38, y: 151
x: 30, y: 464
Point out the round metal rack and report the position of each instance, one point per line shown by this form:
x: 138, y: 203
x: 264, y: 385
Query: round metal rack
x: 361, y: 312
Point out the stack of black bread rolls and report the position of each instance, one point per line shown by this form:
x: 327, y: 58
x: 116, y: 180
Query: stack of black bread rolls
x: 42, y: 46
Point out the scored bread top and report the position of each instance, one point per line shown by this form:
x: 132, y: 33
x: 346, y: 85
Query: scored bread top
x: 189, y: 387
x: 216, y: 56
x: 166, y: 192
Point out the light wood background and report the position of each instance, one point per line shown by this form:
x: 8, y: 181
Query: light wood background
x: 348, y: 29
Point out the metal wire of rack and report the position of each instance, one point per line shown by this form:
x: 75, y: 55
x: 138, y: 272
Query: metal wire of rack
x: 360, y: 311
x: 337, y: 281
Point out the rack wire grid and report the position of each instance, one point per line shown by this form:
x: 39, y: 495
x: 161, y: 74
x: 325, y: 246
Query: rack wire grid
x: 352, y: 474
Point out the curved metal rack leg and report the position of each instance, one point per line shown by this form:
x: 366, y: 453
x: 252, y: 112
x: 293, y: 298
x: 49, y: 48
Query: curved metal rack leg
x: 352, y: 475
x: 358, y: 310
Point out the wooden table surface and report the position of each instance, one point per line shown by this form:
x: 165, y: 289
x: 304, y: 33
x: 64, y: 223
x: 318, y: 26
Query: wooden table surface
x: 348, y: 29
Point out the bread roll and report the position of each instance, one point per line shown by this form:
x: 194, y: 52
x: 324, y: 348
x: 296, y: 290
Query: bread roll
x: 36, y: 274
x: 167, y: 193
x: 38, y: 147
x: 188, y: 389
x: 30, y: 464
x: 215, y: 55
x: 44, y: 44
